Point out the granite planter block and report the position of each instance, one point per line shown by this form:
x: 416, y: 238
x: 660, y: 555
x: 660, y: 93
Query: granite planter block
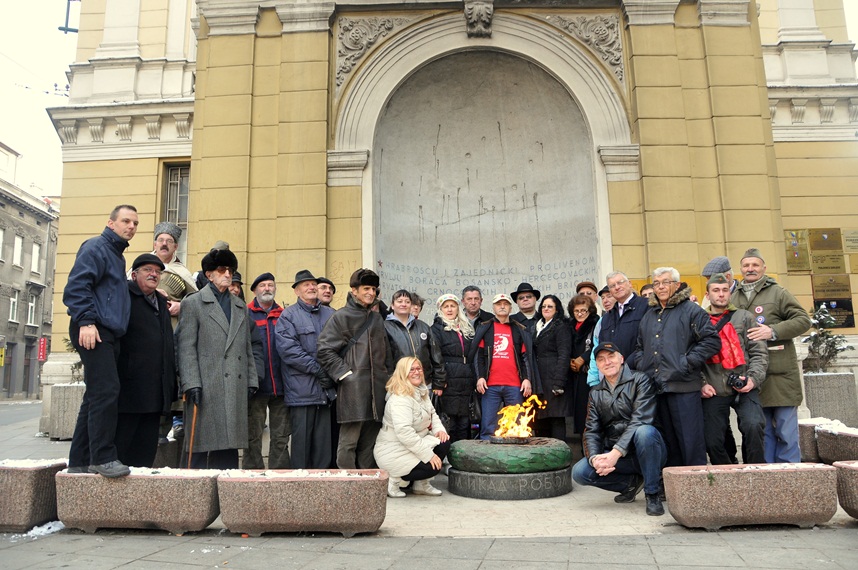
x: 836, y: 442
x: 169, y: 453
x: 715, y: 496
x: 315, y: 500
x: 65, y: 405
x: 847, y: 486
x: 28, y: 494
x: 175, y: 500
x: 833, y: 395
x: 807, y: 438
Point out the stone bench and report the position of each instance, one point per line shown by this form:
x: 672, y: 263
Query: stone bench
x: 836, y: 442
x: 28, y: 493
x: 175, y: 500
x: 715, y: 496
x: 315, y: 500
x: 847, y: 486
x: 807, y: 438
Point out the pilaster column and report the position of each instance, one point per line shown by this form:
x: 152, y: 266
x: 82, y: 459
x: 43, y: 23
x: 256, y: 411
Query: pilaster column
x: 798, y: 21
x: 121, y: 24
x: 650, y: 12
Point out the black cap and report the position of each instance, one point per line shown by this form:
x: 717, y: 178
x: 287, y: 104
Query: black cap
x: 236, y: 278
x: 147, y: 259
x: 328, y: 281
x: 609, y: 346
x: 260, y: 279
x: 604, y: 290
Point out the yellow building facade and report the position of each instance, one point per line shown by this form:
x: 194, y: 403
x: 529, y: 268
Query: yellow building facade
x: 700, y: 128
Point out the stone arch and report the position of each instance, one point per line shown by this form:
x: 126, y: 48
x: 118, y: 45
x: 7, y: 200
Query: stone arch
x: 589, y: 83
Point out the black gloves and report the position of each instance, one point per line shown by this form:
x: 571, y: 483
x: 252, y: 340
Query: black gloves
x: 194, y: 396
x: 324, y: 380
x: 250, y: 392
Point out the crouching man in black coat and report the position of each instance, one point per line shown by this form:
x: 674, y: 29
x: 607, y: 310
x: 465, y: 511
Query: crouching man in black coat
x: 623, y: 452
x: 147, y: 369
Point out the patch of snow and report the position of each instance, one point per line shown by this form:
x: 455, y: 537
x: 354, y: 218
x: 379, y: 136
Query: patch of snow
x: 173, y: 472
x: 837, y: 427
x: 757, y: 467
x: 40, y: 531
x: 29, y: 463
x: 42, y: 434
x: 298, y: 473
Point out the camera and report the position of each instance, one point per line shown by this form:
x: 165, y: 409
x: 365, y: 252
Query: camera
x: 735, y: 382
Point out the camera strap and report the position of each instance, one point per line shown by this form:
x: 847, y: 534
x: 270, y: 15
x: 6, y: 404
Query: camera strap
x: 722, y: 322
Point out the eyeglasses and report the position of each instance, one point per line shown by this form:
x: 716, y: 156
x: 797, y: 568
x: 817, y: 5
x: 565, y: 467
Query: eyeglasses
x: 414, y: 369
x: 658, y: 284
x: 168, y: 241
x: 580, y: 311
x: 224, y: 269
x: 618, y: 284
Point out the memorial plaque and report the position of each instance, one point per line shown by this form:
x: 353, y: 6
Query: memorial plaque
x: 850, y: 241
x: 831, y: 286
x: 825, y: 239
x: 828, y: 263
x: 797, y: 253
x: 853, y: 263
x: 841, y: 312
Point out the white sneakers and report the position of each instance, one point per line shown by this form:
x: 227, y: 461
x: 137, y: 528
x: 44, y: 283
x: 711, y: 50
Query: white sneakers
x: 424, y: 487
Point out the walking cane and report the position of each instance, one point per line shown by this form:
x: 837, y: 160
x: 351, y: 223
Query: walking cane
x: 193, y: 432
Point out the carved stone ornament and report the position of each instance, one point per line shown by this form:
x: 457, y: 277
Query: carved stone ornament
x: 478, y: 16
x: 601, y: 34
x: 356, y: 37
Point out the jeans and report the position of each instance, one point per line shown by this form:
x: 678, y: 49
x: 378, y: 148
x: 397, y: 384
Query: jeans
x: 716, y: 422
x: 646, y: 456
x: 95, y: 430
x: 495, y: 398
x: 279, y: 429
x: 781, y: 440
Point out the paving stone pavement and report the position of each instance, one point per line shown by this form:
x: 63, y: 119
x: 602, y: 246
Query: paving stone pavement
x: 580, y: 530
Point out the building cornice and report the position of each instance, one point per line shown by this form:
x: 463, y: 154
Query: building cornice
x: 723, y: 12
x: 650, y: 12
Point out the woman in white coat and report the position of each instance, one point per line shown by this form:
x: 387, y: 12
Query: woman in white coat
x: 412, y: 443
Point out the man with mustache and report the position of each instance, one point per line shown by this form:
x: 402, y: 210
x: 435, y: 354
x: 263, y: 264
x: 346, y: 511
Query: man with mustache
x: 176, y: 281
x: 779, y: 319
x: 147, y: 366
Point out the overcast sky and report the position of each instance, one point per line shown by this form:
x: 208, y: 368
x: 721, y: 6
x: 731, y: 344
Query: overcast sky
x: 34, y: 57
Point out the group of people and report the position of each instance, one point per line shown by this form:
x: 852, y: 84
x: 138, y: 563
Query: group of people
x: 648, y: 384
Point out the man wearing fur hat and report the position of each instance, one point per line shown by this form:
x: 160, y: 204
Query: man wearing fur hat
x: 176, y: 280
x: 731, y: 379
x: 779, y: 319
x: 354, y: 352
x: 217, y: 368
x: 675, y: 338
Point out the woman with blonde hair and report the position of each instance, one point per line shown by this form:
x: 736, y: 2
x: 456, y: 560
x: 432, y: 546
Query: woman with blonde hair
x: 412, y: 443
x: 453, y: 333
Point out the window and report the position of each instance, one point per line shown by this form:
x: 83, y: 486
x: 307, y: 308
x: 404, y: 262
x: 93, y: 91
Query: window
x: 35, y: 262
x: 31, y: 310
x: 2, y: 243
x: 13, y: 307
x: 176, y: 203
x: 18, y: 252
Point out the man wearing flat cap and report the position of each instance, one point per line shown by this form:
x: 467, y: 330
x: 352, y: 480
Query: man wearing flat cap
x: 176, y: 281
x: 308, y: 390
x: 779, y: 319
x: 264, y: 312
x: 217, y: 368
x: 354, y: 352
x: 147, y: 366
x: 623, y: 451
x: 326, y: 290
x: 525, y: 296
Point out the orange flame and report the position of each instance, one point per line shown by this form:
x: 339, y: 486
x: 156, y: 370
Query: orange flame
x: 514, y: 419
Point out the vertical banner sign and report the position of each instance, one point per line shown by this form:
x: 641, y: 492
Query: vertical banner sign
x: 43, y: 349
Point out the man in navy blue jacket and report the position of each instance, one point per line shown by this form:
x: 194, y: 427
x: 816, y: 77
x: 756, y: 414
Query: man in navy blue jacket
x: 99, y: 306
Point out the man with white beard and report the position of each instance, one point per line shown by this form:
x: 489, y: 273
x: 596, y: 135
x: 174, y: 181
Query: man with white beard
x: 265, y: 311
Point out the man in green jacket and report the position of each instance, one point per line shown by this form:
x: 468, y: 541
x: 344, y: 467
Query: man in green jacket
x: 779, y: 319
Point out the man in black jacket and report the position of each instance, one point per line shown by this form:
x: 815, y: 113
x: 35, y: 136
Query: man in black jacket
x: 147, y: 366
x: 675, y: 339
x: 99, y: 306
x: 623, y: 451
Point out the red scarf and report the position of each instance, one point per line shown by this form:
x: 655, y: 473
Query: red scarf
x: 731, y: 355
